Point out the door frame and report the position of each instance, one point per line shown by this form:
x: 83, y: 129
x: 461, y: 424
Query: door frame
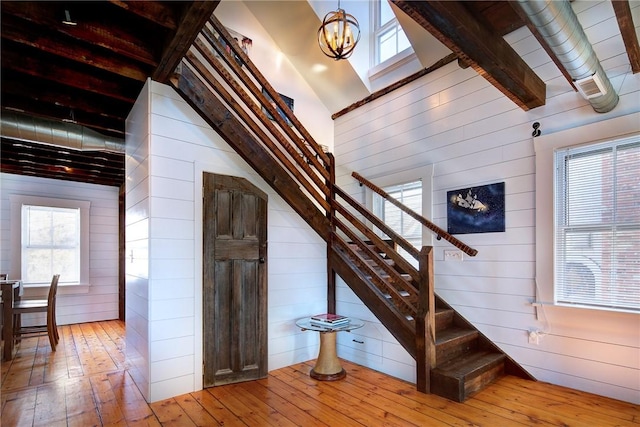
x: 200, y: 168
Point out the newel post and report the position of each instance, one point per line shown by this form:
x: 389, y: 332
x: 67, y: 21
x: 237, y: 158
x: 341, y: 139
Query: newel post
x: 331, y: 274
x: 425, y: 322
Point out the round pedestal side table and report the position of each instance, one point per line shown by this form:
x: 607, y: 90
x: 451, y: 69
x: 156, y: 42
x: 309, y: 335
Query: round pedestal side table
x: 328, y: 366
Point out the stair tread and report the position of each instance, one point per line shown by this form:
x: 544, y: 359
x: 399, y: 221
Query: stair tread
x: 465, y: 365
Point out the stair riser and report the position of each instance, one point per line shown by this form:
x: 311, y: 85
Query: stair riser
x: 460, y: 389
x: 453, y: 350
x: 472, y: 386
x: 444, y: 319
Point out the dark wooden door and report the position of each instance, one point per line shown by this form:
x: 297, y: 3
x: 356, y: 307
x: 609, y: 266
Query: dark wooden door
x: 235, y: 280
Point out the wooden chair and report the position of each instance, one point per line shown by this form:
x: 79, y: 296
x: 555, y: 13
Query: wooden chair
x: 38, y: 306
x: 3, y: 276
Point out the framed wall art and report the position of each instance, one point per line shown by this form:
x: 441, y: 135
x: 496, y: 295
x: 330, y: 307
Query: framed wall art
x: 288, y: 101
x: 476, y: 209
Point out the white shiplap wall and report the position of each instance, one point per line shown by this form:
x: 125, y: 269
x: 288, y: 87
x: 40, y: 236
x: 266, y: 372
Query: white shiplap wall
x: 473, y: 135
x: 98, y: 301
x: 168, y: 148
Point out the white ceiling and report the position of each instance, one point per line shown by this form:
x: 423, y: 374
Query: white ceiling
x: 337, y: 84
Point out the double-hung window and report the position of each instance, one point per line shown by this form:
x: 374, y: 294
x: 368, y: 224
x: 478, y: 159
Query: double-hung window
x: 410, y: 195
x: 389, y: 37
x: 52, y: 237
x: 597, y: 224
x: 50, y: 243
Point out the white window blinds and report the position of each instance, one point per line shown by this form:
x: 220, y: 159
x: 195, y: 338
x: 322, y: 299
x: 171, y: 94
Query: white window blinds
x: 597, y: 218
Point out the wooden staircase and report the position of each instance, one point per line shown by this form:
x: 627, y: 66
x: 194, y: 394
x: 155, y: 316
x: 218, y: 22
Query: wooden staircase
x: 465, y: 360
x: 453, y: 359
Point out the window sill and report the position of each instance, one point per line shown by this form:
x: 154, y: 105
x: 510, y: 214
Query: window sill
x: 38, y: 291
x: 544, y: 305
x: 392, y: 64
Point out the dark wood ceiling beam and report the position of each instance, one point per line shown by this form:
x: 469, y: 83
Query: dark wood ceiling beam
x: 70, y: 77
x: 110, y: 37
x: 158, y: 12
x: 194, y: 16
x: 80, y: 160
x: 487, y: 53
x: 47, y: 42
x: 114, y: 127
x: 26, y: 158
x: 498, y: 15
x: 543, y: 42
x: 628, y: 31
x: 63, y: 96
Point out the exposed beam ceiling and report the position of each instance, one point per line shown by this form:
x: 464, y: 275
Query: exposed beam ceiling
x: 92, y: 72
x: 479, y: 46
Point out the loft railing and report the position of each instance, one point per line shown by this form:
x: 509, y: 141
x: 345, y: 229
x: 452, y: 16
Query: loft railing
x: 226, y: 69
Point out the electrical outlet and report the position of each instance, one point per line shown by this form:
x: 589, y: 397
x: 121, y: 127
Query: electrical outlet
x: 452, y: 255
x: 534, y: 337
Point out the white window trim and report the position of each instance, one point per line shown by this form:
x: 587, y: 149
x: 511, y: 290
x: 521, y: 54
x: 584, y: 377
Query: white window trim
x: 379, y: 69
x: 16, y: 202
x: 545, y: 147
x: 424, y: 174
x: 390, y: 65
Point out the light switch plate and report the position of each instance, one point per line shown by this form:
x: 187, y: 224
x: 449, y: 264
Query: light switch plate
x: 452, y: 255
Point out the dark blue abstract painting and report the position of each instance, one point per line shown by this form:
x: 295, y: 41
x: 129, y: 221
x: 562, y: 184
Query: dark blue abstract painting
x: 476, y: 209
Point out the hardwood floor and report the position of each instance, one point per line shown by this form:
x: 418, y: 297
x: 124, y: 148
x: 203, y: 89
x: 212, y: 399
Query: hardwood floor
x: 85, y: 383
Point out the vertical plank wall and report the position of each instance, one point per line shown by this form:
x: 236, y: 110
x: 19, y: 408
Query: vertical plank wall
x: 473, y: 135
x: 100, y: 300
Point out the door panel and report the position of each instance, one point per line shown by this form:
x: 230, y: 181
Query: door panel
x: 234, y: 276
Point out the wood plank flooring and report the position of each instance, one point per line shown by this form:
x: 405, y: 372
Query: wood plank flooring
x: 86, y: 383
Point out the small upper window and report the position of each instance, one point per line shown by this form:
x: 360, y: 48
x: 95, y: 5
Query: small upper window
x: 50, y: 244
x: 597, y: 220
x: 389, y: 37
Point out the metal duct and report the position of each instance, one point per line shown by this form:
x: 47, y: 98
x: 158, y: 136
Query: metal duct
x: 33, y: 129
x: 558, y: 24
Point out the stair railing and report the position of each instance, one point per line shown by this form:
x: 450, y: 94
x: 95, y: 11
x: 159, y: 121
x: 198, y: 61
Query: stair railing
x: 440, y: 233
x: 219, y: 65
x: 250, y: 96
x: 421, y: 288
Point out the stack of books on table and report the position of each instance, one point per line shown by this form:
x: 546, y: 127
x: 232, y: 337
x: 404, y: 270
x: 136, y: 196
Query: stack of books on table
x: 329, y: 320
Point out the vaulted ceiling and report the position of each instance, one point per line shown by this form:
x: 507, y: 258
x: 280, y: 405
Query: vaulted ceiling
x: 89, y: 71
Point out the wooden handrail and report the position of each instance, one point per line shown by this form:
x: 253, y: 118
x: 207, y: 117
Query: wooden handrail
x: 431, y: 226
x: 398, y: 239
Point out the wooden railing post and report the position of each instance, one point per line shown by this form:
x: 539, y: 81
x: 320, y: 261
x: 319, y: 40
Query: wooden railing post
x: 331, y: 274
x: 425, y: 322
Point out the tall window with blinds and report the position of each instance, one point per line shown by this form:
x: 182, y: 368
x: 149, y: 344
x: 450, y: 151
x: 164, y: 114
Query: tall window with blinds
x: 597, y: 219
x: 50, y: 244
